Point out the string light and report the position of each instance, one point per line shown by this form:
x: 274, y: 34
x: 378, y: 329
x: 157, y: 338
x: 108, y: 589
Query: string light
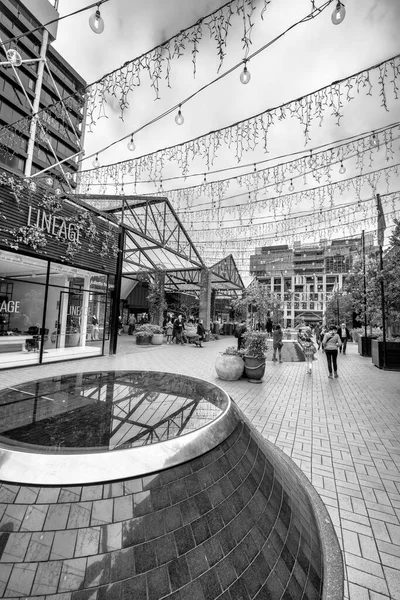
x: 374, y: 140
x: 291, y: 186
x: 14, y: 57
x: 338, y: 14
x: 131, y: 144
x: 96, y: 162
x: 96, y: 21
x: 179, y: 118
x: 58, y: 191
x: 245, y: 75
x: 342, y: 169
x: 49, y: 181
x: 32, y: 186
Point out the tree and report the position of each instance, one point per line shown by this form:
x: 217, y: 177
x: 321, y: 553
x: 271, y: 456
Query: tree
x: 156, y: 298
x: 339, y: 308
x: 260, y: 303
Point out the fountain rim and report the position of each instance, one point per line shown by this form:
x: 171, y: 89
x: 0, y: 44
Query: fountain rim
x: 29, y: 466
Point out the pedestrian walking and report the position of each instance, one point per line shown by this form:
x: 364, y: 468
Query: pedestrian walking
x: 277, y: 342
x: 344, y: 335
x: 330, y: 345
x: 309, y: 351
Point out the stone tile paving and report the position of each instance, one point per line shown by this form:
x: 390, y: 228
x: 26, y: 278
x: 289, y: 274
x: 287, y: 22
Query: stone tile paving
x: 344, y: 434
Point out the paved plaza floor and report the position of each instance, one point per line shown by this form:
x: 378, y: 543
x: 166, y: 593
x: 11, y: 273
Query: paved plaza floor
x: 343, y: 433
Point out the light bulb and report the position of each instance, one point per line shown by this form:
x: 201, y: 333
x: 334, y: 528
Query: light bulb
x: 96, y: 22
x: 374, y: 140
x: 131, y: 144
x: 68, y: 176
x: 96, y: 162
x: 338, y: 14
x: 342, y: 168
x: 14, y: 57
x: 49, y: 181
x: 32, y: 186
x: 58, y: 191
x: 291, y: 186
x: 245, y: 75
x: 179, y: 119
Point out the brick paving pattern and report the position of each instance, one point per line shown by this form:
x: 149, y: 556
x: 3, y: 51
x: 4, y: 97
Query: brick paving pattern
x: 344, y: 434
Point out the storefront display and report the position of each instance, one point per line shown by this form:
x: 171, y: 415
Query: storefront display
x: 56, y: 280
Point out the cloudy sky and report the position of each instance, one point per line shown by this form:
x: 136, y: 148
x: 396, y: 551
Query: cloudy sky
x: 310, y: 56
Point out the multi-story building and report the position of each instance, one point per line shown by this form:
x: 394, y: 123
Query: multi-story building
x: 306, y: 276
x: 38, y: 78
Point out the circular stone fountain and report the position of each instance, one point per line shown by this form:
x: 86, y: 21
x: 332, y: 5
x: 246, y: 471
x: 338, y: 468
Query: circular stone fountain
x: 153, y: 485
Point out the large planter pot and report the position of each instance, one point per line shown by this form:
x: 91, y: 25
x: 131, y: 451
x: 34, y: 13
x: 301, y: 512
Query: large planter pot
x: 254, y: 368
x: 364, y: 345
x: 229, y: 367
x: 71, y: 339
x: 143, y: 340
x: 157, y: 339
x: 392, y: 355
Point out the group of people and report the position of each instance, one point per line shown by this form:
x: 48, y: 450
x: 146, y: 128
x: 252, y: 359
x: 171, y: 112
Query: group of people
x: 179, y: 332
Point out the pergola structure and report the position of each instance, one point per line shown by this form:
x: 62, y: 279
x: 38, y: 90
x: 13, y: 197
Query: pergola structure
x: 156, y: 241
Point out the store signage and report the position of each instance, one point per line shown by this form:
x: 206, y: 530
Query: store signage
x: 53, y: 225
x: 9, y: 307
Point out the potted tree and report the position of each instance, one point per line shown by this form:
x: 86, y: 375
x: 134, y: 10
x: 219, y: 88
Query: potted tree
x: 255, y: 348
x: 230, y: 365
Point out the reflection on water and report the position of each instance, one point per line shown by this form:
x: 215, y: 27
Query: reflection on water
x: 106, y: 410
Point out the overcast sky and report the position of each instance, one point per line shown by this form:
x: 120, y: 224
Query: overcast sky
x: 310, y: 56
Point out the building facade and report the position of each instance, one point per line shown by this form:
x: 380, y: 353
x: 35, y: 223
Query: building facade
x: 306, y: 276
x: 58, y: 277
x: 29, y: 146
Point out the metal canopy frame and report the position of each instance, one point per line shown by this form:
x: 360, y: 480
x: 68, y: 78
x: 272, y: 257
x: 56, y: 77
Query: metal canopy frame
x: 156, y: 241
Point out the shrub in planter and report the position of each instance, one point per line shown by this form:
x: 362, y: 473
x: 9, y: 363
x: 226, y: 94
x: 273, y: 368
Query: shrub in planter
x: 230, y: 365
x: 157, y: 335
x: 144, y: 333
x: 255, y: 348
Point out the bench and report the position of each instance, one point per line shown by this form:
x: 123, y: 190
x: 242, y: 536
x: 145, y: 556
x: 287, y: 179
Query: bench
x: 13, y: 343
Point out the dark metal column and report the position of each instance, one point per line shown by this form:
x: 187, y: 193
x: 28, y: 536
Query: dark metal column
x: 117, y: 293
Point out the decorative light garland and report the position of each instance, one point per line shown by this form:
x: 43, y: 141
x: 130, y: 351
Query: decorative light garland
x: 253, y: 131
x: 157, y: 62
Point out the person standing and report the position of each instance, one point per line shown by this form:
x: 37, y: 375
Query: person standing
x: 131, y: 324
x: 277, y: 342
x: 240, y: 333
x: 95, y: 328
x: 344, y: 335
x: 179, y: 330
x: 268, y: 327
x: 119, y: 325
x: 168, y: 327
x: 317, y: 333
x: 200, y: 334
x: 330, y: 345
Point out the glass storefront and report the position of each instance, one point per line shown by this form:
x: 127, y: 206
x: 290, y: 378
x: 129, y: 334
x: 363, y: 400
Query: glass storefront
x: 50, y: 311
